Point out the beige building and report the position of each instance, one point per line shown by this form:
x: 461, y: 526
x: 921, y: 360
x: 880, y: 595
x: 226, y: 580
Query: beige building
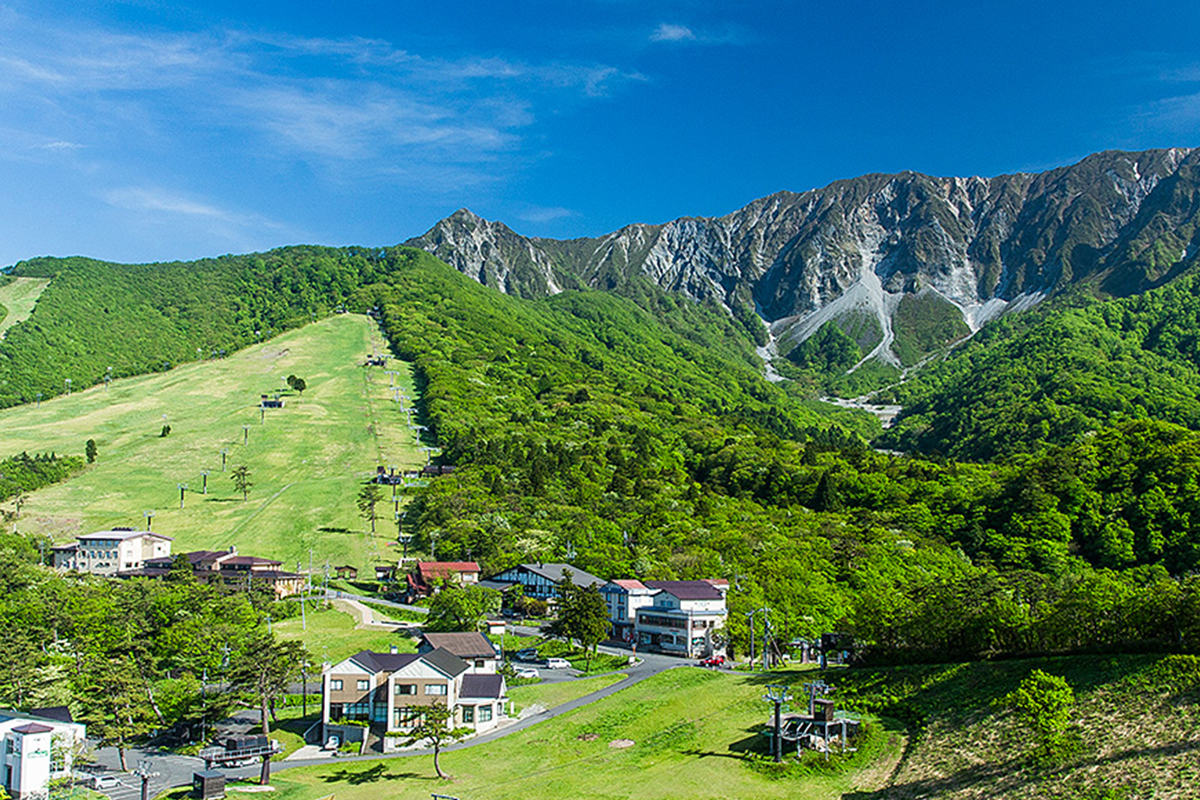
x: 387, y: 691
x: 111, y: 552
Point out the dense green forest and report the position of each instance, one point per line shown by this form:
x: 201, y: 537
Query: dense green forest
x: 128, y: 656
x: 1045, y: 377
x: 583, y: 430
x: 634, y: 435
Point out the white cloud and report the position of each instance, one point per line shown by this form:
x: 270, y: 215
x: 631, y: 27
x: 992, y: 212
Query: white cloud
x: 338, y: 104
x: 666, y: 32
x: 540, y: 214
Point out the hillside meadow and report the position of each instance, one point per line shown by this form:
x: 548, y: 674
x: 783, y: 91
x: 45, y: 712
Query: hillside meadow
x: 307, y: 460
x: 687, y: 733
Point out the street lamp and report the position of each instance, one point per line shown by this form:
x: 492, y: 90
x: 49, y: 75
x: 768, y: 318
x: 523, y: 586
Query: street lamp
x: 143, y: 772
x: 204, y: 478
x: 149, y: 515
x: 182, y: 491
x: 245, y: 434
x: 224, y: 453
x: 67, y: 385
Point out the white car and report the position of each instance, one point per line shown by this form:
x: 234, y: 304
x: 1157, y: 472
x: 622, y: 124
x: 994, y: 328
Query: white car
x: 106, y: 782
x: 557, y: 663
x: 528, y: 672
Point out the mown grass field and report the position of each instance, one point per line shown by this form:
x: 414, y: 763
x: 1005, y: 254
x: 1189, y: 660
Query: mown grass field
x: 17, y: 299
x: 333, y: 635
x: 549, y: 695
x: 694, y: 735
x: 307, y: 461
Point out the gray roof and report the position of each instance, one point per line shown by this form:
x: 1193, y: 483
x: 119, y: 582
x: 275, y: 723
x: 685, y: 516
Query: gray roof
x: 384, y: 662
x: 440, y: 658
x: 489, y: 687
x: 688, y: 590
x: 554, y: 574
x: 33, y: 727
x: 446, y: 661
x: 470, y: 644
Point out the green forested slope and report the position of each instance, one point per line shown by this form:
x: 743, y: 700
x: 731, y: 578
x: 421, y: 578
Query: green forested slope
x: 1029, y: 382
x: 143, y: 318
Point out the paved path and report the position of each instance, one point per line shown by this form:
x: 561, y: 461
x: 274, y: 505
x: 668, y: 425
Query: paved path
x: 362, y: 598
x: 366, y: 617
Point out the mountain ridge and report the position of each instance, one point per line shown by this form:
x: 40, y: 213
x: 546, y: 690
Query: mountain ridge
x: 850, y: 253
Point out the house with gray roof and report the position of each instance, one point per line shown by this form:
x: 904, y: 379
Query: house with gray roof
x: 542, y: 581
x: 388, y: 691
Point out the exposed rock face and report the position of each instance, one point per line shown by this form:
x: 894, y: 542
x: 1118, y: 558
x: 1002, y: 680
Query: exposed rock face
x: 855, y: 248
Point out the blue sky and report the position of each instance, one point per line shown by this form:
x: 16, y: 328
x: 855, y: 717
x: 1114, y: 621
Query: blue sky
x: 149, y: 130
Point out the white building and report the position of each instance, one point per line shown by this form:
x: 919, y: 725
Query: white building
x: 111, y: 552
x: 36, y: 750
x: 686, y: 618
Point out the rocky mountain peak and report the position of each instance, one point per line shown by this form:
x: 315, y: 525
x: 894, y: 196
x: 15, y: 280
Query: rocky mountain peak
x: 878, y: 254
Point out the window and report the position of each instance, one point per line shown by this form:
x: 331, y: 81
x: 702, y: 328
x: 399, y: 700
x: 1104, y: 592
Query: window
x: 335, y: 685
x: 363, y: 686
x: 479, y: 663
x: 407, y: 717
x: 468, y: 713
x: 435, y: 688
x: 406, y: 688
x: 484, y: 713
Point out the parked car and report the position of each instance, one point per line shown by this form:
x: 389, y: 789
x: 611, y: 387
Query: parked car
x: 333, y: 743
x: 714, y: 662
x: 102, y: 782
x: 557, y: 663
x: 528, y: 672
x: 528, y: 654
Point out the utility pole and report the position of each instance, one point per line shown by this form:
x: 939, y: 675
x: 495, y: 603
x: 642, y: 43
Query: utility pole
x: 182, y: 492
x: 303, y: 601
x: 204, y: 477
x: 245, y: 434
x: 149, y: 515
x: 224, y: 453
x: 751, y: 637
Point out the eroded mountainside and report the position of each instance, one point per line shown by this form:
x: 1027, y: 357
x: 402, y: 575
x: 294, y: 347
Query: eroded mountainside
x: 879, y: 256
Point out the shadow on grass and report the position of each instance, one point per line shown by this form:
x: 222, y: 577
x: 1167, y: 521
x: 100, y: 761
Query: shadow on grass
x: 222, y: 500
x: 335, y: 530
x: 374, y: 774
x: 1012, y: 778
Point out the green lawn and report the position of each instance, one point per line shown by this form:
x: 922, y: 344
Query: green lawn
x: 307, y: 461
x: 18, y: 298
x: 694, y: 733
x: 556, y: 648
x: 549, y: 695
x: 332, y: 636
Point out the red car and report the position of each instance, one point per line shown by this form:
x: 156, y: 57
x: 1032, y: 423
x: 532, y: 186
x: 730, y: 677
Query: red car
x: 713, y: 662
